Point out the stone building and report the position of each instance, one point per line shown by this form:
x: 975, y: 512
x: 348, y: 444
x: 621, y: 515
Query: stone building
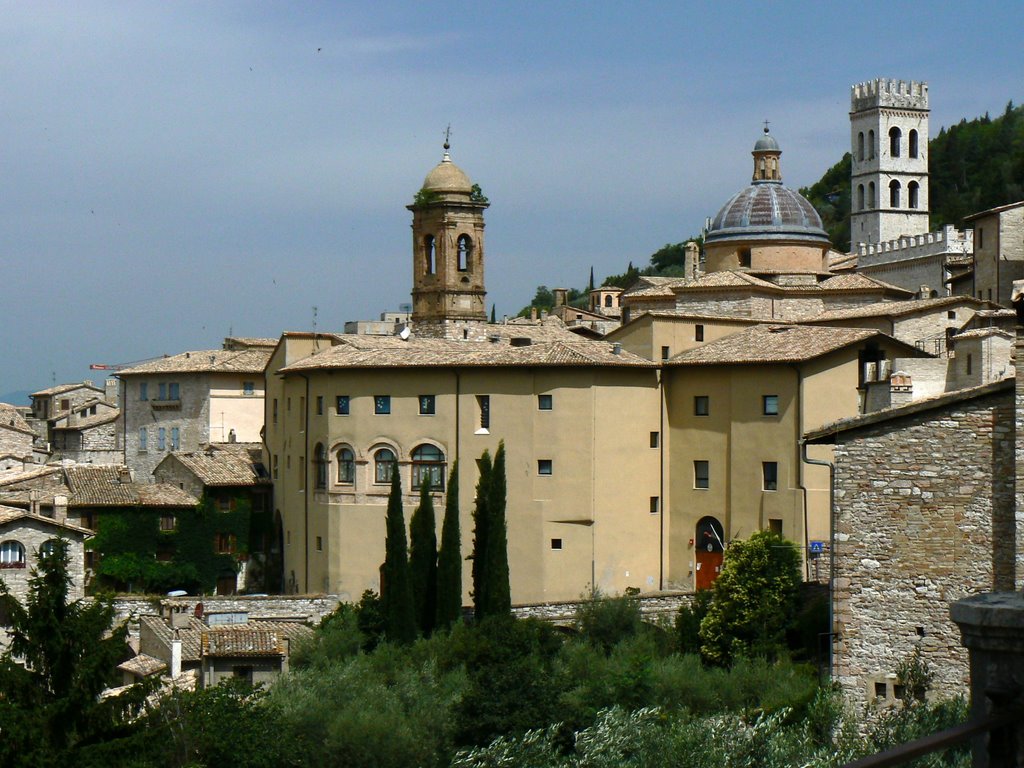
x: 189, y: 400
x: 88, y: 434
x: 998, y: 253
x: 924, y: 515
x: 16, y: 440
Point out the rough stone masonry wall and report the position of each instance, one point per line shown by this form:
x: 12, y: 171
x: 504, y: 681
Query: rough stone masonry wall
x: 14, y: 442
x: 925, y: 516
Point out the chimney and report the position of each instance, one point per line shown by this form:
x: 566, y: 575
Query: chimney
x: 175, y: 656
x: 559, y: 294
x: 617, y: 348
x: 901, y: 389
x: 533, y: 313
x: 924, y: 292
x: 34, y: 496
x: 60, y: 508
x: 690, y: 260
x: 110, y: 391
x: 124, y: 475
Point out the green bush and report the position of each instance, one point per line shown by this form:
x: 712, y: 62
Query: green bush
x: 607, y: 621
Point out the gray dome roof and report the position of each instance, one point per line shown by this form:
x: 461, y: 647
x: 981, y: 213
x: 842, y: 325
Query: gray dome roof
x: 767, y: 210
x: 767, y: 143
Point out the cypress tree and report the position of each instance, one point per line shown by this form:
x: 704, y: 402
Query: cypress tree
x: 499, y: 599
x: 396, y: 591
x: 449, y: 559
x: 493, y: 314
x: 423, y: 560
x: 590, y: 285
x: 481, y: 523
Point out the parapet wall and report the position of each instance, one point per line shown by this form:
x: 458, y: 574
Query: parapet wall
x: 886, y: 92
x: 947, y: 240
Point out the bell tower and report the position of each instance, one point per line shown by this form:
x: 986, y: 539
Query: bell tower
x: 448, y: 254
x: 889, y: 144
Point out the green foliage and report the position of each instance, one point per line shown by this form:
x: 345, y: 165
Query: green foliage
x: 830, y: 196
x: 481, y: 523
x: 61, y: 656
x: 337, y: 638
x: 449, y: 559
x: 608, y: 621
x: 626, y: 279
x: 477, y: 195
x: 396, y: 589
x: 668, y: 256
x: 423, y: 561
x: 425, y: 197
x: 754, y: 599
x: 491, y: 591
x: 915, y: 675
x: 370, y: 619
x: 688, y: 621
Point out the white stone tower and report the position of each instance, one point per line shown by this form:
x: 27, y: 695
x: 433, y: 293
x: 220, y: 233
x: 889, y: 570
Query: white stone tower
x: 448, y: 255
x: 889, y: 143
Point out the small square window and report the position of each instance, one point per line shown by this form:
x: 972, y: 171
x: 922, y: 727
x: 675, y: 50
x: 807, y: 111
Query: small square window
x: 319, y: 544
x: 701, y: 474
x: 484, y: 404
x: 544, y: 467
x: 775, y: 525
x: 770, y: 475
x: 556, y: 543
x: 382, y: 405
x: 701, y: 405
x: 655, y: 439
x: 341, y: 405
x: 427, y: 405
x: 665, y: 353
x: 544, y: 402
x: 654, y: 505
x: 770, y: 405
x: 168, y: 522
x: 698, y: 333
x: 274, y: 417
x: 248, y: 387
x: 951, y: 314
x: 319, y: 405
x: 881, y: 690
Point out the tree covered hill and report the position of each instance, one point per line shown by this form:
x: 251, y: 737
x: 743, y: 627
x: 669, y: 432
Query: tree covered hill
x: 973, y: 166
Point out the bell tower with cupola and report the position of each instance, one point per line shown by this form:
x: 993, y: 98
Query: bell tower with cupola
x: 448, y: 254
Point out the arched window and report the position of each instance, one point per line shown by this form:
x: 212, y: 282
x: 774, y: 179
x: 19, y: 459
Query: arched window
x: 860, y: 146
x: 12, y: 554
x: 895, y: 134
x: 428, y: 254
x: 912, y: 144
x: 608, y: 300
x: 761, y: 171
x: 775, y: 168
x: 346, y: 466
x: 860, y: 197
x: 465, y: 247
x: 428, y: 467
x: 894, y: 194
x: 913, y: 190
x: 871, y: 195
x: 383, y: 465
x: 320, y: 460
x: 871, y: 144
x: 48, y: 547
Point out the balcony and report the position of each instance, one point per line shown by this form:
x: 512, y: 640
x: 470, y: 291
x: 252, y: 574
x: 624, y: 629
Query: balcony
x: 166, y: 405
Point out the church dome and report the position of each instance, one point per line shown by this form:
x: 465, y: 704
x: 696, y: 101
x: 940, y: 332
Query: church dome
x: 447, y: 177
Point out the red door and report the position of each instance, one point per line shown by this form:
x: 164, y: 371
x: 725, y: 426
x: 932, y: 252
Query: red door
x: 709, y: 565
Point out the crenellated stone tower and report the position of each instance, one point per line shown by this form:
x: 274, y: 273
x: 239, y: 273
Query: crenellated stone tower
x: 889, y: 144
x: 448, y: 255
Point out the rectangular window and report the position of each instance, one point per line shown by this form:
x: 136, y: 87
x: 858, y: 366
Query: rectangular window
x: 427, y: 405
x: 341, y: 405
x: 175, y: 438
x: 665, y: 354
x: 173, y: 391
x: 770, y: 405
x: 161, y: 439
x: 143, y: 390
x: 544, y: 467
x: 770, y: 475
x: 698, y: 333
x: 168, y: 522
x: 556, y: 543
x: 981, y: 238
x: 969, y: 366
x: 990, y: 294
x: 224, y: 543
x: 382, y: 405
x: 275, y: 410
x: 654, y: 505
x: 951, y: 314
x: 775, y: 525
x: 302, y: 413
x: 484, y: 404
x: 274, y: 466
x: 161, y: 391
x: 319, y: 405
x: 701, y: 405
x: 143, y: 438
x: 701, y: 474
x: 288, y: 405
x: 545, y: 402
x: 655, y: 439
x: 248, y: 387
x: 319, y: 544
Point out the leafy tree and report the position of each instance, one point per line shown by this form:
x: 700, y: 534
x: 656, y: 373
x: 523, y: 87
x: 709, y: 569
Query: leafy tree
x: 668, y: 256
x: 396, y: 590
x: 626, y: 279
x: 61, y: 657
x: 449, y: 559
x: 607, y: 621
x: 423, y: 561
x: 754, y: 599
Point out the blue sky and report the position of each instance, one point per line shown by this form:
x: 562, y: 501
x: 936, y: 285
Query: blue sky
x: 173, y: 172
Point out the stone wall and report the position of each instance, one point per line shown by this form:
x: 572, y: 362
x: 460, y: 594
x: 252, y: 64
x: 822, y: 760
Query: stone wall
x: 924, y: 507
x: 653, y: 608
x: 190, y: 415
x: 14, y: 442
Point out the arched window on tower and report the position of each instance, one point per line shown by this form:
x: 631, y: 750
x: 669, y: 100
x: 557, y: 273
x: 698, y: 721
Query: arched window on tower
x: 912, y: 144
x: 894, y: 194
x: 775, y: 168
x: 913, y: 191
x: 860, y: 197
x: 465, y: 248
x: 608, y: 300
x: 871, y: 195
x: 428, y: 254
x: 860, y: 146
x: 761, y: 169
x: 895, y: 134
x: 871, y: 144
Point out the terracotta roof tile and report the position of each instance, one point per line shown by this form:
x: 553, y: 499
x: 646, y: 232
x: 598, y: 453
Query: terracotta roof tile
x: 60, y: 389
x: 891, y: 308
x: 13, y: 514
x: 89, y: 485
x: 11, y: 418
x: 230, y: 464
x: 206, y: 361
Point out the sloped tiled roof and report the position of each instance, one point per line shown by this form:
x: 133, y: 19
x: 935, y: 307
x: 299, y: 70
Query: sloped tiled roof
x: 89, y: 421
x: 778, y: 344
x: 60, y: 389
x: 231, y: 464
x: 892, y: 308
x: 89, y: 485
x: 11, y: 418
x: 238, y: 342
x: 393, y: 352
x: 206, y: 361
x: 980, y: 333
x: 143, y: 665
x: 13, y: 514
x: 857, y: 281
x: 257, y: 637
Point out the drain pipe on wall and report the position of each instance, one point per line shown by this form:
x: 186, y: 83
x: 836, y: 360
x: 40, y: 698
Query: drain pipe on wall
x: 831, y: 550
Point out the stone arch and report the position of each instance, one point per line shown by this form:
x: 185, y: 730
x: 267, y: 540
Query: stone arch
x: 860, y: 146
x: 429, y: 255
x: 12, y: 554
x: 464, y: 249
x: 912, y: 148
x: 913, y: 194
x: 872, y: 151
x: 894, y: 194
x: 429, y: 463
x: 860, y: 197
x: 895, y: 137
x: 709, y: 549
